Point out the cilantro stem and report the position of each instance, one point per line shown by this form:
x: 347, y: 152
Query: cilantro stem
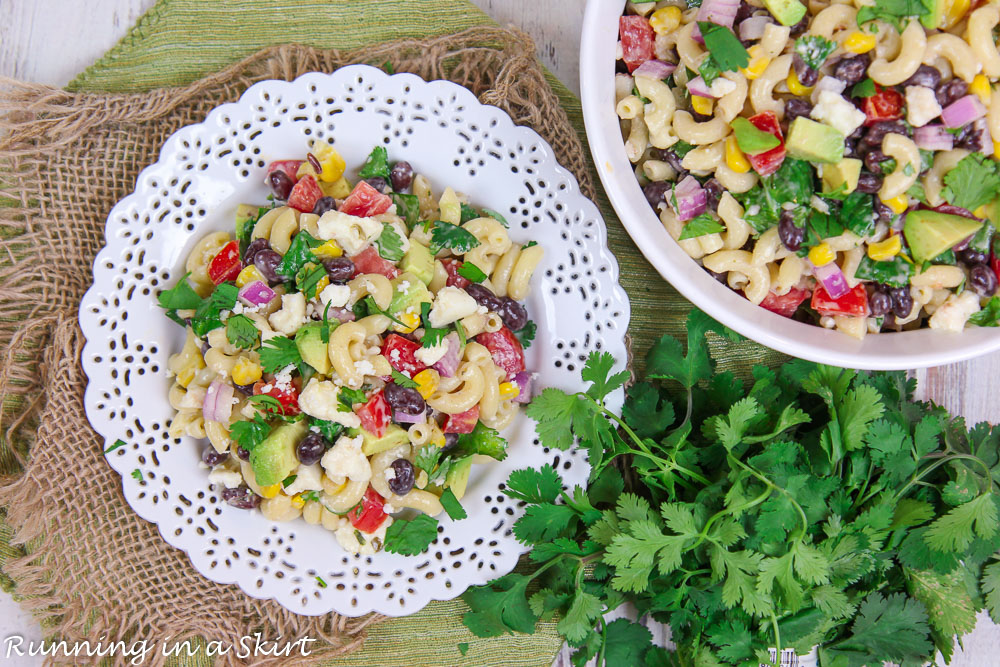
x: 730, y: 510
x: 777, y: 638
x: 735, y: 462
x: 604, y: 642
x: 942, y: 459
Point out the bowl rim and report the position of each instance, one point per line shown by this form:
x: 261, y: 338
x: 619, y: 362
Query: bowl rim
x: 905, y: 350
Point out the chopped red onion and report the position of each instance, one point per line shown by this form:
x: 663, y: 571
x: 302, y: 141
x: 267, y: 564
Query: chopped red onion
x: 933, y: 138
x: 401, y: 417
x: 524, y: 381
x: 833, y: 279
x: 963, y: 111
x: 697, y: 86
x: 692, y: 199
x: 256, y: 294
x: 448, y: 364
x: 218, y: 403
x: 963, y: 244
x: 655, y: 69
x: 753, y: 27
x: 342, y: 314
x: 720, y: 12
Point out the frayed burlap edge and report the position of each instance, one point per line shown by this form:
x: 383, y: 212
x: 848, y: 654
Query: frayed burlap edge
x: 84, y: 546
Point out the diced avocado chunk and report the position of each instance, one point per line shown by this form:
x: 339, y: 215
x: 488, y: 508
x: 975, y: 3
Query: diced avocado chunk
x: 312, y: 349
x: 932, y: 19
x: 245, y: 213
x: 394, y: 436
x: 274, y: 458
x: 419, y: 261
x: 816, y: 142
x: 845, y: 173
x: 788, y: 12
x: 457, y: 478
x: 408, y: 291
x: 930, y: 233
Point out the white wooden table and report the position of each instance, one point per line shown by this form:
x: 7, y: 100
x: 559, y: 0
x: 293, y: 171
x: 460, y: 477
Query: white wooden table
x: 50, y: 41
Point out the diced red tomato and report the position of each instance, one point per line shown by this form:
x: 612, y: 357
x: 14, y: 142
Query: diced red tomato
x: 369, y: 261
x: 290, y: 167
x: 451, y: 266
x: 505, y: 349
x: 786, y: 304
x: 369, y: 515
x: 287, y: 395
x: 305, y: 194
x: 852, y: 304
x: 638, y: 39
x: 463, y: 422
x: 226, y: 264
x: 401, y: 354
x: 768, y: 162
x: 365, y: 201
x: 885, y: 104
x: 375, y: 415
x: 995, y: 264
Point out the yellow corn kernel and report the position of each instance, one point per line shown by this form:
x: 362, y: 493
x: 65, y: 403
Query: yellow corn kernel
x: 248, y: 275
x: 329, y: 249
x: 735, y: 159
x: 297, y: 501
x: 795, y: 87
x: 758, y: 62
x: 321, y: 285
x: 955, y: 11
x: 980, y: 87
x: 886, y: 249
x: 702, y: 105
x: 996, y: 149
x: 410, y: 320
x: 339, y: 189
x: 665, y: 20
x: 509, y: 390
x: 427, y: 382
x: 305, y: 169
x: 329, y: 159
x: 246, y: 371
x: 270, y: 491
x: 860, y: 42
x: 822, y: 254
x: 897, y: 204
x: 185, y: 376
x: 330, y: 487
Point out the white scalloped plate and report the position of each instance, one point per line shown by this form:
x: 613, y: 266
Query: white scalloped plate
x: 204, y: 171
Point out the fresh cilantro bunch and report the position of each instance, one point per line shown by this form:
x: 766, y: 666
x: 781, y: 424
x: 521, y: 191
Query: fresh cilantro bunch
x: 808, y: 506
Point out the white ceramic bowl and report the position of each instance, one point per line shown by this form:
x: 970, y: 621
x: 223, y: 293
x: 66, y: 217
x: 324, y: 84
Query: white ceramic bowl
x: 890, y: 351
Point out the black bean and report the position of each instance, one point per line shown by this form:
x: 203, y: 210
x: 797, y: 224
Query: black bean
x: 484, y: 297
x: 851, y: 70
x: 880, y: 303
x: 671, y: 158
x: 721, y: 277
x: 806, y: 75
x: 245, y: 389
x: 243, y: 454
x: 796, y: 107
x: 791, y: 235
x: 983, y: 280
x: 314, y: 163
x: 801, y: 26
x: 255, y: 247
x: 700, y: 117
x: 513, y: 314
x: 869, y: 183
x: 401, y: 174
x: 884, y: 214
x: 858, y: 133
x: 324, y: 204
x: 851, y: 148
x: 241, y: 497
x: 205, y: 347
x: 878, y: 131
x: 902, y: 302
x: 889, y: 321
x: 926, y: 76
x: 405, y: 477
x: 621, y: 67
x: 973, y: 136
x: 873, y: 160
x: 281, y: 184
x: 211, y: 457
x: 745, y: 11
x: 450, y: 440
x: 311, y: 448
x: 339, y: 269
x: 714, y: 191
x: 656, y: 192
x: 267, y: 262
x: 379, y: 184
x: 971, y: 256
x: 950, y: 91
x: 406, y: 400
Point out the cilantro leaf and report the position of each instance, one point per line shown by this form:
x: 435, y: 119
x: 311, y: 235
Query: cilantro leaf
x: 117, y: 445
x: 666, y: 360
x: 752, y: 140
x: 543, y: 523
x: 347, y: 397
x: 433, y: 336
x: 496, y: 216
x: 626, y: 643
x: 579, y: 619
x: 403, y: 380
x: 727, y: 51
x: 377, y: 164
x: 482, y: 440
x: 709, y: 71
x: 408, y: 208
x: 278, y: 352
x: 989, y: 316
x: 814, y: 50
x: 535, y: 486
x: 455, y: 238
x: 241, y: 332
x: 137, y: 475
x: 974, y: 181
x: 329, y: 430
x: 526, y: 334
x: 555, y: 412
x: 248, y: 434
x: 863, y: 88
x: 955, y: 530
x: 298, y: 254
x: 700, y: 226
x: 886, y: 628
x: 208, y: 315
x: 649, y: 413
x: 471, y: 272
x: 893, y: 11
x: 499, y: 607
x: 597, y: 370
x: 308, y: 278
x: 895, y: 272
x: 180, y: 297
x: 467, y: 213
x: 451, y: 505
x: 390, y: 243
x: 410, y: 537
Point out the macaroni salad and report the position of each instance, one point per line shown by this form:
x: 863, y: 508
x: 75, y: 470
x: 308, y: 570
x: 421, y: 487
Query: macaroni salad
x: 354, y: 350
x: 834, y: 162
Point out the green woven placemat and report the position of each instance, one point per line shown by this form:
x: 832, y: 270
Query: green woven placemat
x: 179, y: 41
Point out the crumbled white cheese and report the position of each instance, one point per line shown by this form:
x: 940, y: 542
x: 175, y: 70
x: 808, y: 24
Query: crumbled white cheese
x: 394, y: 355
x: 837, y: 112
x: 388, y: 509
x: 319, y: 400
x: 352, y: 234
x: 921, y: 106
x: 347, y: 460
x: 400, y: 228
x: 292, y: 313
x: 451, y: 304
x: 431, y: 355
x: 307, y: 478
x: 364, y: 367
x: 955, y: 312
x: 390, y: 474
x: 347, y: 536
x: 194, y: 397
x: 238, y: 308
x: 721, y: 87
x: 225, y: 477
x: 404, y: 286
x: 283, y: 378
x: 819, y: 204
x: 336, y: 296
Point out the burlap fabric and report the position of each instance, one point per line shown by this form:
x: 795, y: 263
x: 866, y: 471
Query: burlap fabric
x: 93, y: 567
